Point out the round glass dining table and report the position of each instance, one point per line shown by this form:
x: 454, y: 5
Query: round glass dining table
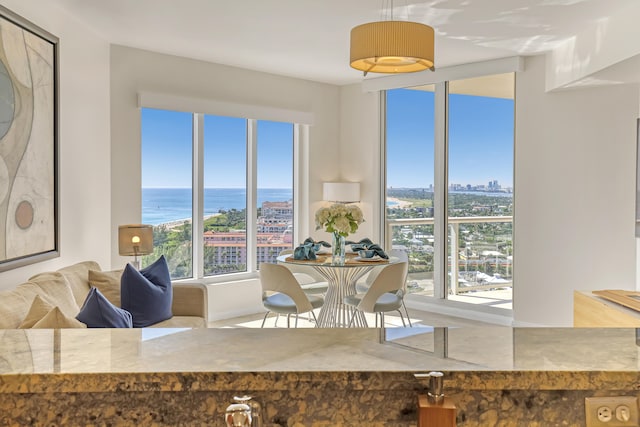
x: 342, y: 282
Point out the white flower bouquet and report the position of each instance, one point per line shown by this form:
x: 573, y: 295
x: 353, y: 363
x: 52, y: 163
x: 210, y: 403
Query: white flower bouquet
x: 339, y: 218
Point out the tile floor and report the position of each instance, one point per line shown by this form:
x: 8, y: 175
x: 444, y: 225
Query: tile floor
x: 418, y: 317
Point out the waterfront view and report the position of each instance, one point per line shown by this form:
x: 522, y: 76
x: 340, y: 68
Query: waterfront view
x: 479, y: 238
x: 224, y: 227
x: 479, y: 222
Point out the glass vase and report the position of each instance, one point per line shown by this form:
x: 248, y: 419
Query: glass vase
x: 337, y: 249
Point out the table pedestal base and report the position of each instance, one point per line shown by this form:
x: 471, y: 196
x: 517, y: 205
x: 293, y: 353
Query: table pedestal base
x: 342, y: 282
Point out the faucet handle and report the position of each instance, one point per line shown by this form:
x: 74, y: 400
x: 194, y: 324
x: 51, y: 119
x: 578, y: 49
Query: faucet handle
x: 256, y: 409
x: 238, y: 415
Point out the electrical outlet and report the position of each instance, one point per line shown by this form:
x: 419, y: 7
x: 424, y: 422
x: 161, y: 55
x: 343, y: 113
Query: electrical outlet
x: 620, y: 411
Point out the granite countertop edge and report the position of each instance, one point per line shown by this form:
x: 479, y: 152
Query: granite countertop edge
x: 355, y: 380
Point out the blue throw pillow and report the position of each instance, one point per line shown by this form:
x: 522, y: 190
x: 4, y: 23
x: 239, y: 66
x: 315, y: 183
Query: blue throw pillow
x: 98, y: 312
x: 147, y: 294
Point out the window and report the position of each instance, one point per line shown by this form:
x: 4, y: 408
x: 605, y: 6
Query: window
x: 166, y: 187
x: 410, y: 178
x: 480, y: 167
x: 473, y: 179
x: 230, y: 169
x: 275, y: 189
x: 225, y: 195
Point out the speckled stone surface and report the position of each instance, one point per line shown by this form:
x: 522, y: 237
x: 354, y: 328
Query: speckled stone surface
x: 309, y: 377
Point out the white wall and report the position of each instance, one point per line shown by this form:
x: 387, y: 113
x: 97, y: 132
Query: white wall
x: 607, y: 41
x: 360, y: 153
x: 637, y: 203
x: 575, y: 194
x: 133, y: 71
x: 84, y: 172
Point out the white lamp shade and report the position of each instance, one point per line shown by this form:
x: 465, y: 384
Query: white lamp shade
x: 344, y: 192
x: 135, y: 239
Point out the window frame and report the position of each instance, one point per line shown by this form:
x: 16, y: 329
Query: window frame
x: 301, y: 122
x: 441, y: 160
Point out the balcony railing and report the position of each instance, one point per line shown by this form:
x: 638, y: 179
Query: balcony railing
x: 455, y: 261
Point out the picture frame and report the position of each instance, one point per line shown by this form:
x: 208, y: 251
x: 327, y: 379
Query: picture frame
x: 29, y: 127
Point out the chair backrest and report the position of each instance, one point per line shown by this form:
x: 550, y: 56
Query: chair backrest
x: 393, y: 253
x: 278, y: 278
x: 403, y: 256
x: 389, y: 279
x: 303, y: 273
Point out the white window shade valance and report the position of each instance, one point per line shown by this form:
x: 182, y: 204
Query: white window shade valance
x: 456, y: 72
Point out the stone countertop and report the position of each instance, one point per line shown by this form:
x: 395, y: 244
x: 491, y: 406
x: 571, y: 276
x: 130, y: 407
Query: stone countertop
x: 33, y: 361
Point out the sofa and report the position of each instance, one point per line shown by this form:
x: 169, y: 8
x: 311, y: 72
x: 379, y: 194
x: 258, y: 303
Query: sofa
x: 67, y: 288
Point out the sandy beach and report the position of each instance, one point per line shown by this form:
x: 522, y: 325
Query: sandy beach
x: 399, y: 203
x: 173, y: 224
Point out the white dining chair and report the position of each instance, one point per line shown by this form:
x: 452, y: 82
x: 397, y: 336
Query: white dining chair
x: 310, y: 281
x: 363, y: 286
x: 382, y: 296
x: 282, y: 294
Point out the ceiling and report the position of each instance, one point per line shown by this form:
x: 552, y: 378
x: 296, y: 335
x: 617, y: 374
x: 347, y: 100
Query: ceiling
x: 309, y: 39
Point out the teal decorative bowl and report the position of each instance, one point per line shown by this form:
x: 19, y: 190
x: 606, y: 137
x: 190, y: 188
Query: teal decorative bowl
x: 366, y: 253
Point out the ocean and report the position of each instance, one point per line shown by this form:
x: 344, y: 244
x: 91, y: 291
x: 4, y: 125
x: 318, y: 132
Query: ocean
x: 161, y: 205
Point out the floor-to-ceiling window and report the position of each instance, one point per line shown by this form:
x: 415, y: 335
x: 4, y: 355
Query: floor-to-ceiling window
x: 474, y: 176
x: 410, y: 180
x: 218, y: 191
x: 480, y: 189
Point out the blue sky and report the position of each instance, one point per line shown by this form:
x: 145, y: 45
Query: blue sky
x: 166, y: 151
x: 480, y: 139
x: 480, y: 145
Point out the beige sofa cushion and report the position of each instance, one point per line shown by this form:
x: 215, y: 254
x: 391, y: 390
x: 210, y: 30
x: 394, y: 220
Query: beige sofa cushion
x: 14, y: 304
x: 56, y: 319
x: 39, y: 308
x: 78, y: 277
x: 108, y: 283
x: 55, y: 289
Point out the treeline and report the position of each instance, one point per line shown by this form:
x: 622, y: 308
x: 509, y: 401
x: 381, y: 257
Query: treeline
x: 175, y: 242
x: 459, y: 204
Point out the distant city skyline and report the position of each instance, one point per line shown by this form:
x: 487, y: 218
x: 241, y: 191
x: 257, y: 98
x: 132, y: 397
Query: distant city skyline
x: 454, y: 186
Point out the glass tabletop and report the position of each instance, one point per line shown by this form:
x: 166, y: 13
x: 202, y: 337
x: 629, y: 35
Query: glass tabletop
x: 351, y: 260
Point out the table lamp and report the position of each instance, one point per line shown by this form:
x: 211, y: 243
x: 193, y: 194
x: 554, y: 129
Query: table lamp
x: 135, y: 239
x: 341, y: 192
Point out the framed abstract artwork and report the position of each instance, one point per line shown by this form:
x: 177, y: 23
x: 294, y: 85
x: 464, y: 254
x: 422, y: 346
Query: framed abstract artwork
x: 28, y: 142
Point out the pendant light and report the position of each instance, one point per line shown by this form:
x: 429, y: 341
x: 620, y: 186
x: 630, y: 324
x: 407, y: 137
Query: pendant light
x: 392, y: 47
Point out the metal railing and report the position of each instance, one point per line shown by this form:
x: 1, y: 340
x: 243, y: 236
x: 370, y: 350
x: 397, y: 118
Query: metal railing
x: 454, y: 226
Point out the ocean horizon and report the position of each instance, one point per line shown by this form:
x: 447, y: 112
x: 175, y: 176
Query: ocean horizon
x: 162, y: 205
